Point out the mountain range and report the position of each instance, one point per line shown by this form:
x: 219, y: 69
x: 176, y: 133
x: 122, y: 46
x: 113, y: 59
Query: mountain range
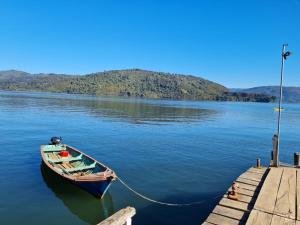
x: 290, y: 94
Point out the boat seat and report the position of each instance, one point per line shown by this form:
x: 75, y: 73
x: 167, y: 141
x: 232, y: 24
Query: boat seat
x: 65, y: 159
x: 54, y: 148
x: 79, y: 168
x: 67, y: 165
x: 51, y: 156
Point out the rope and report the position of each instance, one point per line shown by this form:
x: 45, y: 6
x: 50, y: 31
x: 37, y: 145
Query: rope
x: 162, y: 203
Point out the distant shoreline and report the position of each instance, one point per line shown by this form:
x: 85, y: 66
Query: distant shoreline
x: 60, y: 94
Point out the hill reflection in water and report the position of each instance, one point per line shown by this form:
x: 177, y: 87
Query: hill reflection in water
x: 137, y: 111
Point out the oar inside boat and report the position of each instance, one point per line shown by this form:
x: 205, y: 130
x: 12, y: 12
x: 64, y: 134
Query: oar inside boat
x: 77, y: 167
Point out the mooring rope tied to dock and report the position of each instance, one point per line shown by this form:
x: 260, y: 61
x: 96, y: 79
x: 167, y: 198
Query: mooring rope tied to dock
x: 164, y: 203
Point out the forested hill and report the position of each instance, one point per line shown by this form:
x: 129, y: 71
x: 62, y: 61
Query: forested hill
x: 133, y: 82
x: 290, y: 94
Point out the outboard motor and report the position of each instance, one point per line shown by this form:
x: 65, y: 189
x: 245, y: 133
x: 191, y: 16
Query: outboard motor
x: 56, y: 140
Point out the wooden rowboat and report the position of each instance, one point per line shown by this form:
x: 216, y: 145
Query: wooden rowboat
x: 78, y: 168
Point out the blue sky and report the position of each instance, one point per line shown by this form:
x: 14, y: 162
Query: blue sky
x: 236, y: 43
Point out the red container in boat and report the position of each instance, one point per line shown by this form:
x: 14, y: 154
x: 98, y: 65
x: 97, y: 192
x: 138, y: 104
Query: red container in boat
x: 64, y: 153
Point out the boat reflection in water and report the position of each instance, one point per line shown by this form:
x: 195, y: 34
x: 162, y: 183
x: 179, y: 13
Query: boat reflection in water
x: 82, y: 204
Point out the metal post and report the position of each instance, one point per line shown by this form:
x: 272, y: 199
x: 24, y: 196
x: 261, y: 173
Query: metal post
x: 258, y: 163
x: 283, y: 57
x: 296, y: 159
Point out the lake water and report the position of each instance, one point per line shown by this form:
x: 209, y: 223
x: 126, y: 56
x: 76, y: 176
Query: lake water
x: 174, y: 151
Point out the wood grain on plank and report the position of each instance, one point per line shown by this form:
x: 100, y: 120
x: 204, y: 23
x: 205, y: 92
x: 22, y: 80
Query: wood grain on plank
x: 252, y: 176
x: 286, y: 197
x: 259, y: 218
x: 278, y: 220
x: 246, y: 186
x: 235, y: 204
x: 261, y: 170
x: 51, y: 156
x: 267, y: 197
x: 218, y: 219
x: 248, y: 181
x: 67, y: 165
x: 242, y: 198
x: 232, y: 213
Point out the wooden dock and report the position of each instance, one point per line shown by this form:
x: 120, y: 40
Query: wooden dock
x: 267, y: 196
x: 122, y: 217
x: 237, y: 211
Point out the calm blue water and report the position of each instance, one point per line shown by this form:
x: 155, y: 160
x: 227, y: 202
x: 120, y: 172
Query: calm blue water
x: 175, y: 151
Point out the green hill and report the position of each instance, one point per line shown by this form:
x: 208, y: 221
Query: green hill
x: 290, y: 94
x: 133, y: 82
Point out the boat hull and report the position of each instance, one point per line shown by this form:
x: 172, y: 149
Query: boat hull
x: 96, y: 188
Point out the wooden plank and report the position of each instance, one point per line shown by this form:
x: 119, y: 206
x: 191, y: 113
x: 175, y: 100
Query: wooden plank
x: 245, y: 198
x: 242, y: 198
x: 218, y: 219
x: 259, y: 218
x: 246, y: 192
x: 248, y: 181
x: 232, y: 213
x: 120, y: 217
x: 261, y: 170
x: 278, y: 220
x: 246, y: 186
x: 207, y: 223
x: 286, y: 197
x: 67, y: 165
x: 60, y: 166
x: 51, y: 156
x: 235, y: 204
x: 297, y: 222
x: 267, y: 197
x: 298, y: 193
x: 252, y: 176
x: 57, y: 155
